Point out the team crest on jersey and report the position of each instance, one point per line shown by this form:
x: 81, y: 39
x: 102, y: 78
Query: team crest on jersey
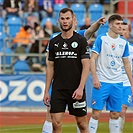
x: 113, y: 46
x: 65, y: 46
x: 74, y: 44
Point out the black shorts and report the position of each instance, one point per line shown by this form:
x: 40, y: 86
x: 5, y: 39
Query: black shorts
x: 61, y: 98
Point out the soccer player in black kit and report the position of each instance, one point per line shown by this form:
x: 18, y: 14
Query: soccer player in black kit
x: 67, y: 70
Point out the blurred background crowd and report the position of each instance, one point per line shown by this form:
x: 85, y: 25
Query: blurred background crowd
x: 26, y: 26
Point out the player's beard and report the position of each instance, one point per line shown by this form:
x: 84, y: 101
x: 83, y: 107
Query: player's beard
x: 70, y: 27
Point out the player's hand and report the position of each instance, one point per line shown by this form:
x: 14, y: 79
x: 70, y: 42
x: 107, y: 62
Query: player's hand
x: 46, y: 99
x: 96, y: 83
x: 78, y: 94
x: 102, y: 20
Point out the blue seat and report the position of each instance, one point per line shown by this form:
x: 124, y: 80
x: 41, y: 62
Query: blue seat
x: 96, y: 11
x: 57, y: 8
x: 1, y: 2
x: 21, y: 66
x: 7, y: 60
x: 44, y: 20
x: 2, y: 41
x: 103, y: 29
x: 80, y: 11
x: 13, y: 24
x: 1, y: 24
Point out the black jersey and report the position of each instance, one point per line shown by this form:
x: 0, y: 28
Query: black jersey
x: 67, y: 55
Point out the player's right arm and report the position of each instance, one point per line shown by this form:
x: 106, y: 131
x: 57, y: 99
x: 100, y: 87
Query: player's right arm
x: 49, y: 78
x: 96, y: 82
x: 94, y: 27
x: 49, y: 73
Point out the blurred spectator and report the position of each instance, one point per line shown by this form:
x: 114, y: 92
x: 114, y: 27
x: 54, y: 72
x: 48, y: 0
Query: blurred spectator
x: 46, y: 8
x: 31, y: 9
x: 58, y: 1
x: 69, y: 2
x: 24, y: 38
x: 86, y: 25
x: 37, y: 47
x: 1, y: 9
x: 37, y: 34
x: 12, y: 8
x: 49, y: 29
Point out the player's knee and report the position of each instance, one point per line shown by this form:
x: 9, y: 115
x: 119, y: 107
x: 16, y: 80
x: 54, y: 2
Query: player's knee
x: 56, y: 125
x: 82, y: 126
x: 96, y: 114
x: 114, y: 115
x: 123, y: 112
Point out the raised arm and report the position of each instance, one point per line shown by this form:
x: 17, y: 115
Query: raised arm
x: 94, y: 27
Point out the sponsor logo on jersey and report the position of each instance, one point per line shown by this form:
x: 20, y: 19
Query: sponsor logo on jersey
x: 74, y: 45
x: 113, y: 46
x: 84, y: 110
x: 120, y: 46
x: 65, y: 46
x: 106, y: 43
x: 113, y: 56
x: 56, y: 45
x: 112, y: 63
x: 87, y: 50
x: 66, y: 54
x: 79, y: 104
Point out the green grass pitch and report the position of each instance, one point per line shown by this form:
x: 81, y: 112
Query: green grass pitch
x: 67, y: 128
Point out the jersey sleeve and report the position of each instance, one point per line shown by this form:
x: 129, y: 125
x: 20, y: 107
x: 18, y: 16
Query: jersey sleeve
x: 126, y: 51
x: 51, y: 51
x: 81, y: 32
x: 51, y: 37
x: 85, y: 51
x: 97, y: 45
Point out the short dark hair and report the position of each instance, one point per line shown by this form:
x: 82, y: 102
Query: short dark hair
x: 115, y: 17
x: 64, y: 10
x: 26, y: 27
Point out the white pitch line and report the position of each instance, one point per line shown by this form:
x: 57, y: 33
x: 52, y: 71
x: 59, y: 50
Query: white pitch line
x: 35, y: 127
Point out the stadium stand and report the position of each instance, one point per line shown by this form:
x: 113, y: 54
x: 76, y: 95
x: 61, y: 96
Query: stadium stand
x: 103, y: 29
x: 1, y: 24
x: 1, y: 2
x: 13, y: 26
x: 2, y: 37
x: 96, y: 11
x: 21, y: 66
x: 106, y: 1
x: 89, y: 8
x: 44, y: 20
x: 57, y: 8
x: 80, y: 11
x: 6, y: 59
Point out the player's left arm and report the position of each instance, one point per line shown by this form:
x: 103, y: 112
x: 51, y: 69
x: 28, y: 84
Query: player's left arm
x: 128, y: 70
x: 94, y: 27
